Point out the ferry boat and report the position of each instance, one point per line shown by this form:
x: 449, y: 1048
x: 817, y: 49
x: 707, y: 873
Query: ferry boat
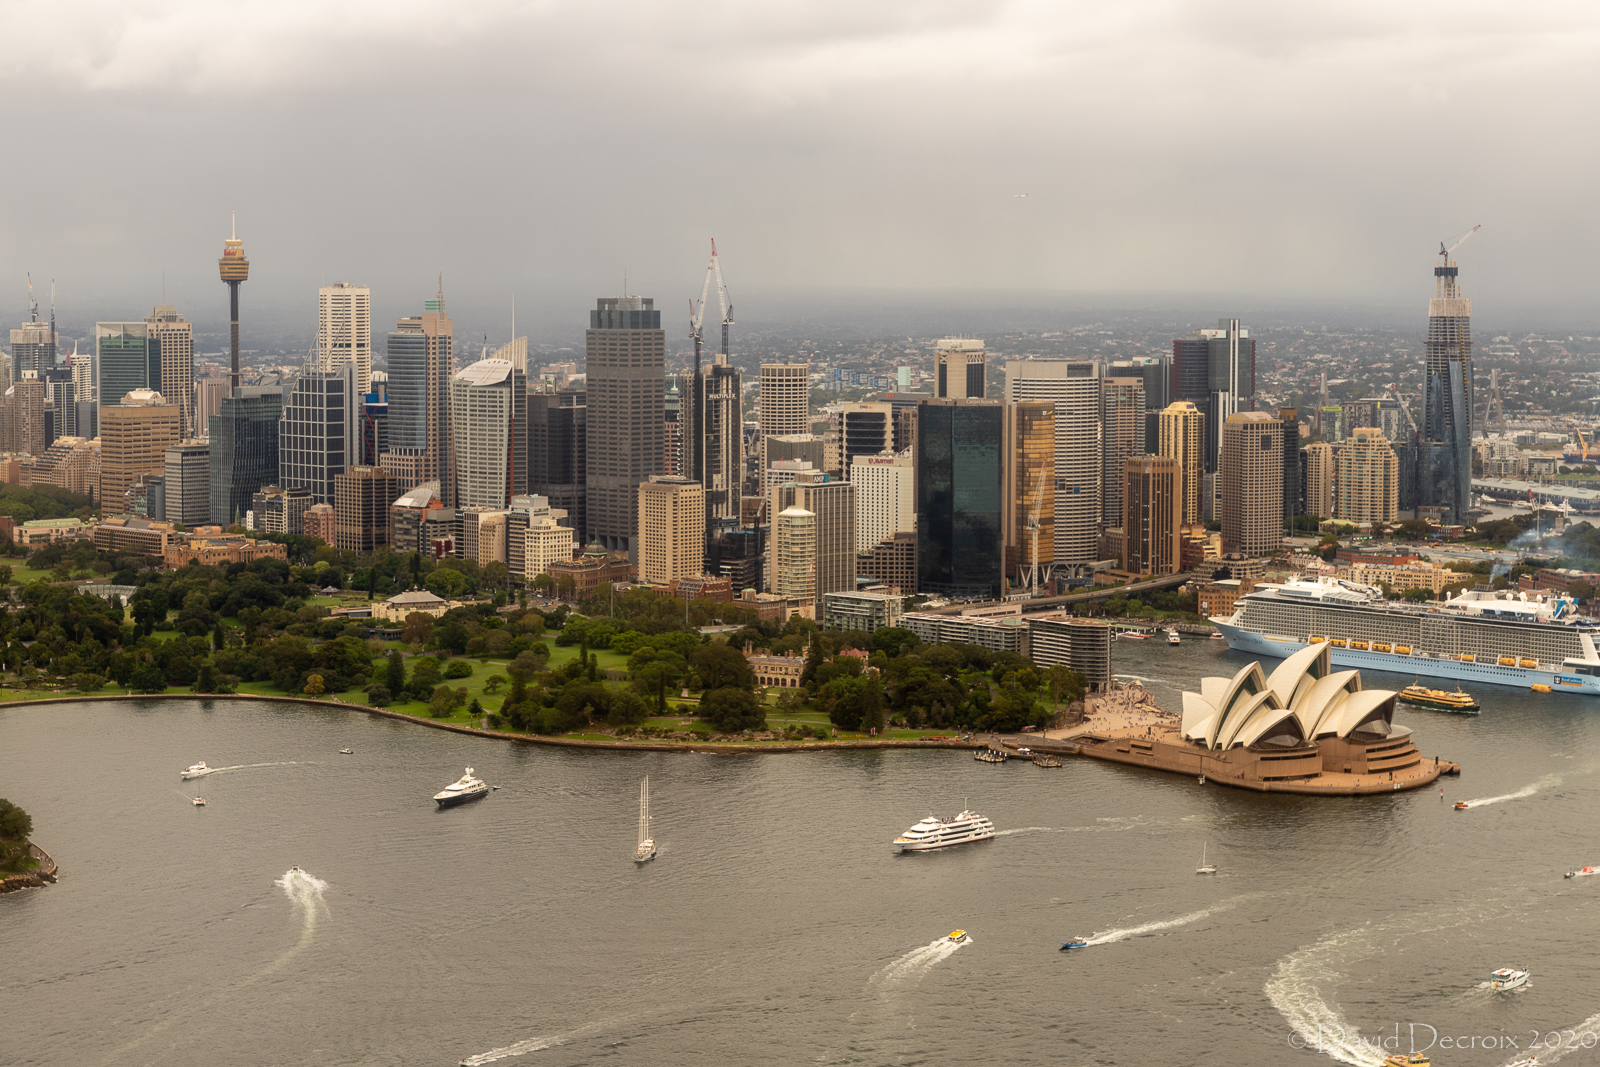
x: 462, y: 790
x: 198, y: 770
x: 1077, y: 942
x: 1172, y: 638
x: 988, y: 755
x: 1507, y: 978
x: 1582, y: 872
x: 1499, y: 637
x: 932, y: 833
x: 1424, y: 697
x: 1134, y: 635
x: 1042, y: 760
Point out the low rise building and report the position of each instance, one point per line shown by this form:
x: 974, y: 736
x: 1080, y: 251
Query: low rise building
x: 775, y: 671
x: 1218, y: 597
x: 1082, y: 645
x: 1007, y: 633
x: 413, y: 601
x: 125, y: 533
x: 1402, y: 577
x: 37, y: 532
x: 592, y: 570
x: 217, y: 549
x: 861, y: 611
x: 702, y: 587
x: 320, y: 521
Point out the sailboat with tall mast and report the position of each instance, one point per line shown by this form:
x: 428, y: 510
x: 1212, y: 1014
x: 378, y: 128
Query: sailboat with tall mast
x: 1205, y: 868
x: 647, y: 843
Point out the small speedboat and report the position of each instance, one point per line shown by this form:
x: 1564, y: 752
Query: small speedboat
x: 296, y: 869
x: 1507, y: 978
x: 196, y: 771
x: 1077, y: 942
x: 199, y: 802
x: 958, y: 936
x: 1582, y: 872
x: 1461, y: 805
x: 347, y: 752
x: 1218, y: 637
x: 1400, y: 1059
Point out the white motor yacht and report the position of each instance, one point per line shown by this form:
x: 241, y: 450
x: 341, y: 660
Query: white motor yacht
x: 462, y: 790
x: 1507, y: 978
x: 198, y: 770
x: 932, y: 833
x: 1172, y: 638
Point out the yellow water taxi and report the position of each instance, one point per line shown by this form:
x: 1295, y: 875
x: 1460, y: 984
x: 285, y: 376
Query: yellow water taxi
x: 957, y: 936
x: 1539, y: 687
x: 1400, y: 1059
x: 1438, y: 698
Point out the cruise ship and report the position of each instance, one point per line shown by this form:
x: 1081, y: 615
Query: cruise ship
x: 1502, y: 637
x: 932, y: 833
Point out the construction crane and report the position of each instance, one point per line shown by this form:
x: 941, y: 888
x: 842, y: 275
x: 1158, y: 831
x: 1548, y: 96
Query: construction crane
x: 1457, y: 242
x: 1031, y: 524
x: 33, y: 305
x: 697, y: 311
x: 1395, y: 389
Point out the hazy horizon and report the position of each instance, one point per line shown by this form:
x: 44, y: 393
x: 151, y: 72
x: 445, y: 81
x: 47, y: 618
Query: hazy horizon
x: 1199, y: 160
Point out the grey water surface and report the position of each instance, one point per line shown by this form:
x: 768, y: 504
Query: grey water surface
x: 777, y: 926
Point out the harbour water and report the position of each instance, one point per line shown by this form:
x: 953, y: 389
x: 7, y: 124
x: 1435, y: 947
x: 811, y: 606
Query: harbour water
x: 777, y: 926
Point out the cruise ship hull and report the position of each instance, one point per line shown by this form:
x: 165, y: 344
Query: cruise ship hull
x: 1421, y: 666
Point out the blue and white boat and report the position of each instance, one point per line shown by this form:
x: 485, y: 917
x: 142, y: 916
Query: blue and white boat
x: 1500, y: 637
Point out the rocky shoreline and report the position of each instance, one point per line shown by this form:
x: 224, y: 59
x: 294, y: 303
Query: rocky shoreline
x: 33, y: 879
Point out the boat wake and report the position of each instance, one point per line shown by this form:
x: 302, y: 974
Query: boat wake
x: 1295, y: 990
x: 305, y: 895
x: 537, y: 1044
x: 909, y: 969
x: 248, y: 766
x: 1111, y: 936
x: 1521, y: 794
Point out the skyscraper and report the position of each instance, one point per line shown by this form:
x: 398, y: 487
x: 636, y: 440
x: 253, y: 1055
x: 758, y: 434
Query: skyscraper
x: 187, y: 469
x: 672, y: 529
x: 173, y: 338
x: 1030, y: 492
x: 22, y: 413
x: 420, y: 360
x: 794, y: 557
x: 1445, y: 459
x: 960, y: 368
x: 832, y: 504
x: 625, y: 351
x: 319, y: 432
x: 961, y: 483
x: 866, y: 428
x: 783, y: 406
x: 1252, y: 484
x: 558, y: 446
x: 361, y: 500
x: 1182, y: 438
x: 1319, y: 480
x: 134, y: 437
x: 1122, y: 416
x: 244, y: 432
x: 33, y: 344
x: 711, y: 431
x: 885, y: 497
x: 344, y: 330
x: 1152, y: 515
x: 128, y: 358
x: 1156, y: 372
x: 1293, y: 491
x: 488, y: 415
x: 1369, y: 476
x: 1216, y: 369
x: 1074, y: 387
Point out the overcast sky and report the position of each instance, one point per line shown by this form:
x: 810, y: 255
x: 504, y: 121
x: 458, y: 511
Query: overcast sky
x: 1279, y: 150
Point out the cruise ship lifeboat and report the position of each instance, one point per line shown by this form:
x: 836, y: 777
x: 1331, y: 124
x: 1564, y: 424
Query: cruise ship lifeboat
x: 1361, y: 645
x: 1527, y: 663
x: 1402, y: 650
x: 1380, y: 648
x: 1508, y: 661
x: 1338, y: 642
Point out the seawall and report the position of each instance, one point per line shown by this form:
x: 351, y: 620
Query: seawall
x: 33, y: 879
x: 530, y: 739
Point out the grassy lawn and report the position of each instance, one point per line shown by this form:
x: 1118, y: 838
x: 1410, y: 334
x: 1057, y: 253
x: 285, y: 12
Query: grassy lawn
x: 21, y: 575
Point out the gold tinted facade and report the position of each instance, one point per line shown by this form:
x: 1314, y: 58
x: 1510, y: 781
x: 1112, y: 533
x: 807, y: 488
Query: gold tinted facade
x: 1031, y: 488
x: 1152, y: 515
x: 1183, y: 438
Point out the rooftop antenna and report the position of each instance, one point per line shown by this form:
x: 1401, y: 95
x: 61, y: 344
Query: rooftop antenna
x: 234, y: 226
x: 513, y: 317
x: 33, y: 304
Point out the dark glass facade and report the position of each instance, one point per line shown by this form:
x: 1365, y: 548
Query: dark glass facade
x: 129, y: 359
x: 244, y: 451
x: 408, y: 392
x: 960, y: 483
x: 558, y: 440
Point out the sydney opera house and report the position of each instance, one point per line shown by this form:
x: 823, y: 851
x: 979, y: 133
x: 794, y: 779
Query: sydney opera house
x: 1307, y: 728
